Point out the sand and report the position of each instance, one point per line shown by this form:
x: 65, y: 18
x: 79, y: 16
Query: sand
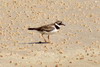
x: 75, y: 45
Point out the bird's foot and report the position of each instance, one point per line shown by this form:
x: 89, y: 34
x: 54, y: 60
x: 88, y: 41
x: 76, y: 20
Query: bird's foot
x: 50, y: 42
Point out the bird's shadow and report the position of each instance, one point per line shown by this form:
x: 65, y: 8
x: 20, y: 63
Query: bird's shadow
x: 36, y: 43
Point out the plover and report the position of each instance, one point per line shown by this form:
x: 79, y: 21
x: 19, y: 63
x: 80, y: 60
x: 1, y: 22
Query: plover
x: 48, y: 29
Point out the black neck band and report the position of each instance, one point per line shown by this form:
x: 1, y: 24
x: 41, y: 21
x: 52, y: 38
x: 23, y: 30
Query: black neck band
x: 57, y: 27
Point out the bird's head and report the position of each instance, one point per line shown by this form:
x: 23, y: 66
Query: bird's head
x: 59, y: 23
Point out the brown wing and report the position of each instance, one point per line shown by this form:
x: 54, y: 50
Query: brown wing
x: 47, y: 28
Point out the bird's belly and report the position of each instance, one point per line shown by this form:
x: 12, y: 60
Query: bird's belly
x: 53, y: 31
x: 50, y: 32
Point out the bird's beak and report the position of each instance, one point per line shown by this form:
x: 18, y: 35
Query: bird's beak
x: 63, y: 24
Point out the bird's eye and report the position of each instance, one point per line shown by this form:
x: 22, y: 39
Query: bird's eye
x: 60, y: 23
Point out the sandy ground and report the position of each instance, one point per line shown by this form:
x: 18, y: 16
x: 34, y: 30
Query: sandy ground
x: 76, y: 45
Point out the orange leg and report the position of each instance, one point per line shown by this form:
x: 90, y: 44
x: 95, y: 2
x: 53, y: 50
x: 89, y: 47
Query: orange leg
x: 43, y: 38
x: 48, y: 38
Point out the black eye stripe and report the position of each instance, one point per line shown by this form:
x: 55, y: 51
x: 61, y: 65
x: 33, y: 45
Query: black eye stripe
x: 60, y: 23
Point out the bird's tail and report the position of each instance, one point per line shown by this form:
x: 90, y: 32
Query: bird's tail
x: 32, y: 28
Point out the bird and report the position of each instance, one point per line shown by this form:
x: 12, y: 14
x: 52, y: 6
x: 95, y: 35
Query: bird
x: 48, y: 29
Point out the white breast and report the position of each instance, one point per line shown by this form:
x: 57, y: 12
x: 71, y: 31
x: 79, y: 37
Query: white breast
x: 51, y: 32
x: 55, y: 30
